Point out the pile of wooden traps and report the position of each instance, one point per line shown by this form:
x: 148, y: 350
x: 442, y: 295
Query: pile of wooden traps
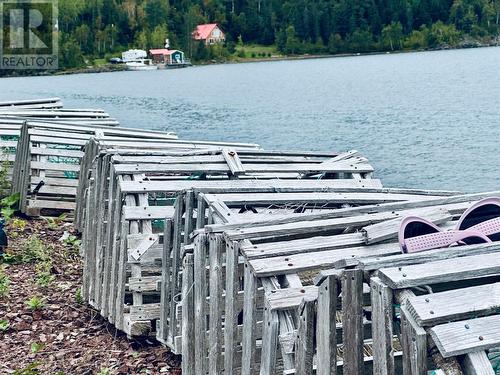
x: 246, y: 260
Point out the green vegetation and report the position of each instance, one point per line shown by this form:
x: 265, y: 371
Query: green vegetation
x: 256, y: 51
x: 4, y: 283
x: 36, y: 347
x: 4, y: 325
x: 43, y: 272
x: 35, y: 303
x: 95, y: 30
x: 31, y: 369
x: 73, y: 242
x: 79, y: 297
x: 5, y: 182
x: 8, y: 206
x: 53, y: 223
x: 34, y: 250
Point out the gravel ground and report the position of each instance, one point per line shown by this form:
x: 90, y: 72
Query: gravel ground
x: 63, y: 336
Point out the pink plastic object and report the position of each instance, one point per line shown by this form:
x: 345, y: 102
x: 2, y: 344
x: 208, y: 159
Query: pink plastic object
x: 488, y: 227
x: 435, y: 238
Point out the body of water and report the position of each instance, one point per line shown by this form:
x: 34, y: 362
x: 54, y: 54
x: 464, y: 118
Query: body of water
x: 427, y: 120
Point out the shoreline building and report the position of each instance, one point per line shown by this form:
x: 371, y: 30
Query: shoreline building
x: 209, y: 33
x: 167, y: 56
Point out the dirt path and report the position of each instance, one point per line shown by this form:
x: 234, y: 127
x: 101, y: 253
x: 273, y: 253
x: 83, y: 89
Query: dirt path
x: 63, y: 336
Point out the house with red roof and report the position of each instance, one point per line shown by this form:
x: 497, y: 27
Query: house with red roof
x: 210, y: 33
x: 167, y: 56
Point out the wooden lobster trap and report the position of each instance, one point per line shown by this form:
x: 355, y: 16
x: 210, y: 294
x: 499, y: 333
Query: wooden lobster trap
x: 47, y: 166
x: 253, y: 277
x: 135, y: 193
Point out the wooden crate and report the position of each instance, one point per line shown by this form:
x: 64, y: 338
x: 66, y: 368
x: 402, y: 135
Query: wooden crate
x: 433, y: 326
x: 256, y: 259
x: 98, y: 154
x: 47, y: 167
x: 99, y: 249
x: 10, y: 130
x: 170, y: 177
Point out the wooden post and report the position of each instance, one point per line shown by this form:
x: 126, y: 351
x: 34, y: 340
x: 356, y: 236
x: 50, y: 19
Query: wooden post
x: 326, y: 330
x: 188, y: 336
x: 249, y: 322
x: 174, y: 284
x: 352, y: 321
x: 269, y: 342
x: 216, y: 246
x: 200, y: 296
x: 201, y: 207
x: 188, y: 218
x: 231, y: 322
x: 305, y: 338
x: 165, y: 281
x: 414, y: 344
x: 382, y: 328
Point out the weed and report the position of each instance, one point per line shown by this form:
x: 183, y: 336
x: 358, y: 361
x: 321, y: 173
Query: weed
x: 4, y: 283
x: 33, y: 249
x: 5, y: 184
x: 73, y: 242
x: 4, y: 325
x: 52, y: 224
x: 104, y: 371
x: 31, y: 369
x: 79, y: 297
x: 9, y: 205
x: 36, y: 347
x: 9, y: 258
x: 16, y: 227
x: 35, y: 303
x: 43, y: 273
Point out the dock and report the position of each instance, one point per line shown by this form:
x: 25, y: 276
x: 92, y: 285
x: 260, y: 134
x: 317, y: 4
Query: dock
x: 252, y: 261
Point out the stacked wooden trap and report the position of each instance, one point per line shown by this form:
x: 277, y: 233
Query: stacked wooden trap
x: 14, y: 113
x: 47, y: 166
x: 123, y: 261
x: 251, y: 261
x: 45, y: 103
x: 254, y: 299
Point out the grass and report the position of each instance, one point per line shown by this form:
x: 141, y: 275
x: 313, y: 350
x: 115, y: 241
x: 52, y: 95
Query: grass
x: 35, y: 303
x: 4, y: 283
x: 4, y: 325
x: 34, y: 250
x: 100, y: 62
x: 256, y: 51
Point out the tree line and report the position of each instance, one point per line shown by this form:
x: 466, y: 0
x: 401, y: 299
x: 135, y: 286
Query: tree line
x: 91, y: 29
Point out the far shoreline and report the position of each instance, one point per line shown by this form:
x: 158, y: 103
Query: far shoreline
x: 110, y: 68
x: 338, y: 55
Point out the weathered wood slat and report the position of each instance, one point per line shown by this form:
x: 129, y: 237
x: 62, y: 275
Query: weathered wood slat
x: 441, y: 271
x: 467, y: 336
x: 382, y: 330
x: 250, y: 168
x: 248, y: 185
x: 374, y: 263
x: 477, y: 363
x: 352, y: 312
x: 326, y: 326
x: 457, y: 304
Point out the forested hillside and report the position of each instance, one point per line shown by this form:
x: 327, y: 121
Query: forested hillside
x: 97, y: 28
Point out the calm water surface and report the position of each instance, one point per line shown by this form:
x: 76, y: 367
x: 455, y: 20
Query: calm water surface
x: 429, y: 120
